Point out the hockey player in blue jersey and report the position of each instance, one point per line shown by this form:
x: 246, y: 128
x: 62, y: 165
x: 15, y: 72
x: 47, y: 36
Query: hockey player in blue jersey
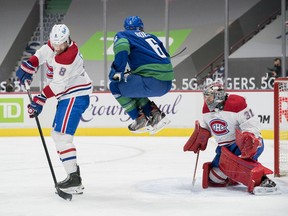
x: 150, y: 75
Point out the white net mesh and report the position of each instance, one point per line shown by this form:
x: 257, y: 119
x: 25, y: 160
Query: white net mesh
x: 283, y: 126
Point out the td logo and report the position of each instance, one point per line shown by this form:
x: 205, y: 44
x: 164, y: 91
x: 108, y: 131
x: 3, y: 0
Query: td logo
x: 11, y: 110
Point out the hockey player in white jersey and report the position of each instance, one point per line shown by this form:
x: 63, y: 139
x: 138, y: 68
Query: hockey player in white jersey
x: 236, y: 130
x: 70, y: 84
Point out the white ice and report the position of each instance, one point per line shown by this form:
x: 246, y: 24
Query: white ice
x: 125, y: 176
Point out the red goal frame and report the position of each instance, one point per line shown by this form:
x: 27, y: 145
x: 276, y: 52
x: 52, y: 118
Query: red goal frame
x: 277, y: 171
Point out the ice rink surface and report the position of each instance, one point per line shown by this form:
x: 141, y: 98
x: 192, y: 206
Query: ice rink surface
x: 125, y: 176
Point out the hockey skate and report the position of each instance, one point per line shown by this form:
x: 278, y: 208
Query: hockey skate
x: 158, y: 119
x: 266, y: 187
x: 72, y: 184
x: 141, y: 124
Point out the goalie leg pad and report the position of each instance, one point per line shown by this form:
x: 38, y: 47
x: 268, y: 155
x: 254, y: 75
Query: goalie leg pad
x: 207, y: 172
x: 248, y: 172
x: 198, y: 140
x: 205, y: 177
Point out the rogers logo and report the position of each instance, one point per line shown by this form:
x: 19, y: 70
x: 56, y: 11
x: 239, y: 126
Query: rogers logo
x: 219, y: 127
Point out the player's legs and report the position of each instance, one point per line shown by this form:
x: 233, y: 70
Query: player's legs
x: 232, y: 148
x: 247, y: 171
x: 133, y: 97
x: 65, y: 123
x: 138, y: 87
x: 213, y: 176
x: 236, y: 151
x: 68, y: 114
x: 135, y: 92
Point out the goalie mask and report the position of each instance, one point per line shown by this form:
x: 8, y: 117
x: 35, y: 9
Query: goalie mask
x: 133, y: 23
x: 214, y: 96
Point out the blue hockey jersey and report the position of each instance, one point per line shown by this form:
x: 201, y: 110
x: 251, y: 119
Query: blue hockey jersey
x: 144, y: 53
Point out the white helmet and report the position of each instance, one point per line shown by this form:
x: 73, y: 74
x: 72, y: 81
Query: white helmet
x: 59, y: 34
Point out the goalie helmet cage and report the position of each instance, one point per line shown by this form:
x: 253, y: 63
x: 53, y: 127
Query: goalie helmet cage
x: 281, y: 127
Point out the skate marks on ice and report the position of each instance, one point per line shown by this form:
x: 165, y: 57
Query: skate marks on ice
x: 124, y: 176
x: 183, y: 187
x: 108, y: 152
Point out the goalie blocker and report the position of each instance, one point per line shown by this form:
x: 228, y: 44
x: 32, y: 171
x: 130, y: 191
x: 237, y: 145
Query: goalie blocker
x: 198, y: 140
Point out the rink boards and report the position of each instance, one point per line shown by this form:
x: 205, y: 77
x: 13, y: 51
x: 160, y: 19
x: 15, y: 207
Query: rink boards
x: 105, y: 117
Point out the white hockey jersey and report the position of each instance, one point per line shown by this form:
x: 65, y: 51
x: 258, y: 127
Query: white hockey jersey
x: 66, y: 76
x: 235, y: 115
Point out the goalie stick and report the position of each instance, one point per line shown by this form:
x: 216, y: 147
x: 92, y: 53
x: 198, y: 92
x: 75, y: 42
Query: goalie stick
x: 61, y: 193
x: 195, y: 169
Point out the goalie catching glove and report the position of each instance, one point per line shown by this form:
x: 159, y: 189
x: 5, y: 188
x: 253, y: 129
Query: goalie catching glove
x: 36, y: 106
x: 198, y: 140
x: 247, y: 143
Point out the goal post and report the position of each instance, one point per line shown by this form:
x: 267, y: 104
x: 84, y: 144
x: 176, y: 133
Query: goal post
x: 281, y: 127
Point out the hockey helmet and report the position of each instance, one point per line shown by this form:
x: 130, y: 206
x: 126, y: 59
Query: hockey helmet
x: 59, y: 34
x: 215, y: 89
x: 133, y: 23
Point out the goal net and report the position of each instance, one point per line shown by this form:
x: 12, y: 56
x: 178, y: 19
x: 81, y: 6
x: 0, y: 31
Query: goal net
x: 281, y: 127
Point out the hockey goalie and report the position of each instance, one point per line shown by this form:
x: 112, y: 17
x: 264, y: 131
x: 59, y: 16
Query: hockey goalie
x: 236, y: 130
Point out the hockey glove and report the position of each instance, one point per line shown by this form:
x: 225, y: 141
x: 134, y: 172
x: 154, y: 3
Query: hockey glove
x: 25, y: 72
x: 247, y: 143
x: 115, y: 76
x: 35, y: 108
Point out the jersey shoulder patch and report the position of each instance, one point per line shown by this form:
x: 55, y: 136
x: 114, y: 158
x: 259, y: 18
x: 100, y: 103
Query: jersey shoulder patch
x: 235, y: 103
x: 67, y: 57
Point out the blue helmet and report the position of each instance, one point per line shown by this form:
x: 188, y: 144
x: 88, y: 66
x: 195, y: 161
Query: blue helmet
x: 133, y: 23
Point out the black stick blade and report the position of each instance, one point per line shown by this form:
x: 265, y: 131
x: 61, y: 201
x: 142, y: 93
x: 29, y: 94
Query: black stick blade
x: 63, y: 194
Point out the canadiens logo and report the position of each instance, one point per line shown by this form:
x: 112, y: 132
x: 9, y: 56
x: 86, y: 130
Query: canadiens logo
x: 219, y: 127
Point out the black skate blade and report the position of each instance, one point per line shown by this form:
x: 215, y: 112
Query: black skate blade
x: 63, y: 194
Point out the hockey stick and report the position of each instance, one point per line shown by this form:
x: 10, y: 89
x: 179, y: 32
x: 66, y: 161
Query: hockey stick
x: 61, y: 193
x: 195, y: 169
x: 179, y: 53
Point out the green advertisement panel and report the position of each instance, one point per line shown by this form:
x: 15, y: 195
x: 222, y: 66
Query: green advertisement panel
x: 93, y: 48
x: 11, y: 110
